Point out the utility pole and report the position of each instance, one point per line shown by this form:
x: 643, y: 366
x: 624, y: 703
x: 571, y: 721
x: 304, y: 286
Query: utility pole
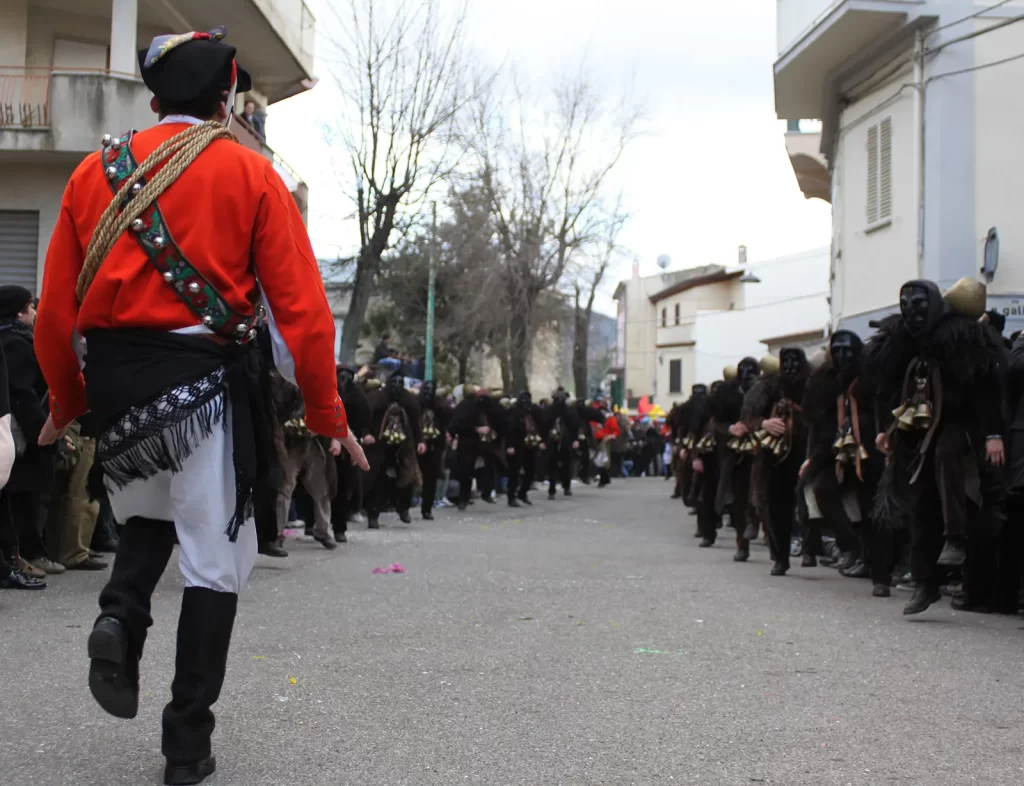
x: 432, y: 266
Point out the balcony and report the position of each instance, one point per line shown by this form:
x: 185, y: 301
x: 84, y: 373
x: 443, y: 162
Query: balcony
x: 44, y: 110
x: 815, y: 37
x: 275, y: 38
x: 809, y: 165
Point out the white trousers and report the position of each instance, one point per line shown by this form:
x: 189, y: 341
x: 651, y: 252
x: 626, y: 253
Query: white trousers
x: 851, y: 504
x: 200, y: 500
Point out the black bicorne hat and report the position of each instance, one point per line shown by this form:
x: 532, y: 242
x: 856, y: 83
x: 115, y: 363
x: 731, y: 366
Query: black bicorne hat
x: 180, y: 68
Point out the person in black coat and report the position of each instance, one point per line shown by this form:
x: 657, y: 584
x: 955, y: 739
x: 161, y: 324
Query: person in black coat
x: 33, y: 472
x: 840, y: 475
x: 561, y: 437
x: 393, y: 444
x: 435, y: 418
x: 350, y: 478
x: 940, y: 372
x: 478, y: 425
x: 11, y: 576
x: 521, y: 444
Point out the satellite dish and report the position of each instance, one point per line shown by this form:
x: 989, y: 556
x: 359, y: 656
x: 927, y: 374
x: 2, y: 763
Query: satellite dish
x: 664, y: 261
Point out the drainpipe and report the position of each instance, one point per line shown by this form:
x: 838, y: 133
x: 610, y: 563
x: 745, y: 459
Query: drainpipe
x: 919, y: 139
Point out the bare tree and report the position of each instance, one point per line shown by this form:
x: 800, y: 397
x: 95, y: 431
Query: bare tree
x: 585, y: 285
x: 467, y: 314
x: 404, y: 76
x: 544, y: 171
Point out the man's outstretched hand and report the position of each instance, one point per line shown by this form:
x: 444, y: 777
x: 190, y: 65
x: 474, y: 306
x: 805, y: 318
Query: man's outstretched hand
x: 355, y: 450
x: 50, y: 432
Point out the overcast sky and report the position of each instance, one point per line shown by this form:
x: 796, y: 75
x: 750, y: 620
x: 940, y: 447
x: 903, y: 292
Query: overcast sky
x: 711, y: 171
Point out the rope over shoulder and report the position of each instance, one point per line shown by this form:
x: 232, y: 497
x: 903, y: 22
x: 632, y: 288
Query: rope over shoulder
x: 179, y: 152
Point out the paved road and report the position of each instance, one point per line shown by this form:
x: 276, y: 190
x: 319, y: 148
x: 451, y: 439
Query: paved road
x: 583, y: 642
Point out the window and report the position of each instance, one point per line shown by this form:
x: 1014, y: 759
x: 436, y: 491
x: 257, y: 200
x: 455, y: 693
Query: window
x: 677, y: 313
x: 675, y: 376
x: 664, y: 317
x: 879, y: 204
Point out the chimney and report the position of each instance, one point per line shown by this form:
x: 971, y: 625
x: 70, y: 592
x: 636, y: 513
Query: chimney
x: 636, y: 269
x: 743, y: 255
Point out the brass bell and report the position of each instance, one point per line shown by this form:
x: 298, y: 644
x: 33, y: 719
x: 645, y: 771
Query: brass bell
x: 761, y: 436
x: 923, y: 416
x: 838, y: 444
x: 906, y: 420
x: 896, y: 413
x: 778, y: 447
x: 843, y: 457
x: 849, y: 441
x: 862, y: 454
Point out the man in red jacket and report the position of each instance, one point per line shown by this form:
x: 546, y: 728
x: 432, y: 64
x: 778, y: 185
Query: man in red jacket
x: 604, y: 434
x: 166, y: 243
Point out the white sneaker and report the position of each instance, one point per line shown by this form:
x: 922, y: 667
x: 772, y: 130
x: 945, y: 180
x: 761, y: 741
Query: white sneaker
x: 357, y: 518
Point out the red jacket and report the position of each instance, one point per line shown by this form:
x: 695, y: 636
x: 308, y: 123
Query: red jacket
x: 609, y: 429
x: 234, y: 220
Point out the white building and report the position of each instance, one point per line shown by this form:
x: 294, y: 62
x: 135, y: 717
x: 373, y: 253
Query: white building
x: 919, y: 150
x: 684, y: 327
x: 785, y: 303
x: 69, y: 74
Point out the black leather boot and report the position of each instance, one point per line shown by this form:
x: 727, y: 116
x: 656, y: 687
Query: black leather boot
x: 188, y: 773
x: 925, y: 595
x: 707, y: 543
x: 780, y: 568
x: 809, y: 561
x: 113, y: 669
x: 204, y: 637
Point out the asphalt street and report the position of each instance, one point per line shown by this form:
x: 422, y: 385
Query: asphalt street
x: 579, y: 642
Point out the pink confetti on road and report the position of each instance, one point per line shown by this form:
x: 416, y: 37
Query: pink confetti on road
x: 393, y: 568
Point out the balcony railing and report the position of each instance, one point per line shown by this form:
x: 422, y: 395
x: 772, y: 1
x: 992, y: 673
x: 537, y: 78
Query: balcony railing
x: 24, y: 98
x: 248, y: 136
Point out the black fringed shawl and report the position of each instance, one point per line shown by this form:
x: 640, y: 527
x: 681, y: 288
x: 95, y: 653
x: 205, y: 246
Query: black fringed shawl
x: 157, y: 396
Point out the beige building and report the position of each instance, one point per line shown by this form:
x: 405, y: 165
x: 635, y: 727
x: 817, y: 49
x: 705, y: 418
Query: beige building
x: 918, y: 149
x: 638, y: 326
x: 676, y: 309
x: 69, y: 75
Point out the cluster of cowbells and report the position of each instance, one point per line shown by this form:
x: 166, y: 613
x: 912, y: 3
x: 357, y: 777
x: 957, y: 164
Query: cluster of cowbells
x: 847, y: 449
x: 393, y: 436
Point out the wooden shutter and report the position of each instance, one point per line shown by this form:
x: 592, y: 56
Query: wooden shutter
x: 675, y: 376
x: 872, y: 210
x: 885, y: 169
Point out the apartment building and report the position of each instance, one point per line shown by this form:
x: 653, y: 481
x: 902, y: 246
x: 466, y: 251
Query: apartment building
x: 682, y: 328
x: 69, y: 75
x: 917, y: 152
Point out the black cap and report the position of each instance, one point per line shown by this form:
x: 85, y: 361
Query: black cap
x: 13, y: 300
x: 181, y: 68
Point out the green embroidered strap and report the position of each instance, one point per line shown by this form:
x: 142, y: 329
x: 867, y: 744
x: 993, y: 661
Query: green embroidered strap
x: 191, y: 286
